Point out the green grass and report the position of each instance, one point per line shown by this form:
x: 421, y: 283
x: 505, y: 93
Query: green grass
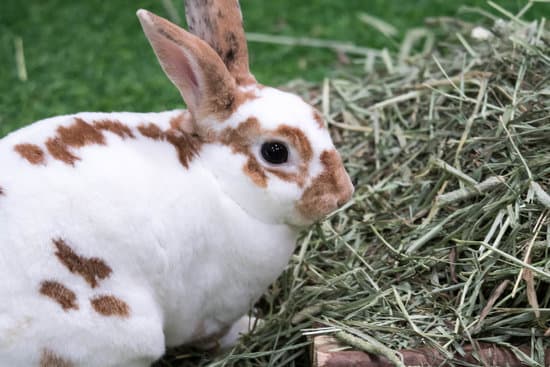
x: 92, y: 56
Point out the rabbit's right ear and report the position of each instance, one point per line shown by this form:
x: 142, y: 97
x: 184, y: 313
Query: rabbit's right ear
x: 220, y: 24
x: 192, y: 65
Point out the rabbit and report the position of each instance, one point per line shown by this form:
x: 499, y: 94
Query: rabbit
x: 122, y: 234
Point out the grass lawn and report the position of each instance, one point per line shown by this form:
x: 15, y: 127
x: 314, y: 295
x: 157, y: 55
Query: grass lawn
x: 92, y: 56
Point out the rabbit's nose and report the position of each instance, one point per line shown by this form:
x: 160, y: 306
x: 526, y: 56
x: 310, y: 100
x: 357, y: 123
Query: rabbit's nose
x: 345, y: 188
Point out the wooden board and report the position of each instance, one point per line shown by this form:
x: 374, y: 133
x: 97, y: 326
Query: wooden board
x: 327, y: 352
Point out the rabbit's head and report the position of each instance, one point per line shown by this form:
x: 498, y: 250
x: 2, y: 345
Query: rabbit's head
x: 268, y: 149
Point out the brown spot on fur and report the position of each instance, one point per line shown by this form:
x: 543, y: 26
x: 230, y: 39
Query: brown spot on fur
x: 319, y: 119
x: 31, y: 152
x: 151, y: 131
x: 328, y: 191
x: 255, y: 171
x: 1, y: 191
x: 80, y: 134
x: 76, y: 135
x: 178, y: 121
x: 116, y: 127
x: 183, y: 121
x: 60, y: 152
x: 91, y: 269
x: 187, y: 145
x: 239, y: 138
x: 50, y: 359
x: 110, y: 306
x: 298, y: 139
x: 59, y: 293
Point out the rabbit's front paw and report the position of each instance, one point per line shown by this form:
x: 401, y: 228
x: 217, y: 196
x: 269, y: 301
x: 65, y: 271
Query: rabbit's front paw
x: 242, y: 326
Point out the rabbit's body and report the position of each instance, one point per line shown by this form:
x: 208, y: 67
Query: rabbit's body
x: 162, y: 244
x: 124, y: 233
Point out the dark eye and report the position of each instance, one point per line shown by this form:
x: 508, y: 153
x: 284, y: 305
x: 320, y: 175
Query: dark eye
x: 275, y: 152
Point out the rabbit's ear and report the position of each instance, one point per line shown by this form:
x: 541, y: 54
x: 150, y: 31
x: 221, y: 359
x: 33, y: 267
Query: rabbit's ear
x: 193, y: 66
x: 220, y: 24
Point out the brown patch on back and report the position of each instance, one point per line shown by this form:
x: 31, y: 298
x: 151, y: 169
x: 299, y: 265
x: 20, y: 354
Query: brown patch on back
x: 31, y: 152
x: 77, y: 135
x: 91, y: 269
x: 151, y: 131
x: 108, y: 305
x: 187, y: 145
x: 50, y: 359
x: 59, y: 293
x: 80, y: 134
x: 319, y: 119
x: 328, y: 190
x: 116, y: 127
x: 59, y: 151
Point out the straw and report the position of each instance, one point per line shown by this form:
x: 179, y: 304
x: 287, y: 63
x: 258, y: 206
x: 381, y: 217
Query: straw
x: 449, y: 149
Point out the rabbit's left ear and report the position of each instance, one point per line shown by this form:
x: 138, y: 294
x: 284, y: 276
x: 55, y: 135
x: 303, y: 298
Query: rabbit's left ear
x: 192, y: 65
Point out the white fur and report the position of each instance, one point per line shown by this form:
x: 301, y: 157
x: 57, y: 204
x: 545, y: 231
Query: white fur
x: 191, y: 248
x: 182, y: 252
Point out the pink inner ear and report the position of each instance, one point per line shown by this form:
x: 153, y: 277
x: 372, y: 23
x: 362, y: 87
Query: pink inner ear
x: 179, y: 68
x: 187, y: 70
x: 182, y: 74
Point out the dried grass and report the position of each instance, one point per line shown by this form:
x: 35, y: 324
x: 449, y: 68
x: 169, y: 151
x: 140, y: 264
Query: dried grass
x: 446, y: 241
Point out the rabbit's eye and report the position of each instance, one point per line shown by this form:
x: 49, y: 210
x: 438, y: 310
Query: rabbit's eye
x: 275, y: 152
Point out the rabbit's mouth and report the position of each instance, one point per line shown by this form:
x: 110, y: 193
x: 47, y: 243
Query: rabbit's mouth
x: 325, y: 205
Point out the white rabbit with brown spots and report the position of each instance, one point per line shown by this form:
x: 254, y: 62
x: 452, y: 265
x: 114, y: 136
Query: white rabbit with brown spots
x: 124, y: 233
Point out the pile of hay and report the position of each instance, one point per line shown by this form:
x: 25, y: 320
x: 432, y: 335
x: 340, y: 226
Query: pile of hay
x: 446, y: 241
